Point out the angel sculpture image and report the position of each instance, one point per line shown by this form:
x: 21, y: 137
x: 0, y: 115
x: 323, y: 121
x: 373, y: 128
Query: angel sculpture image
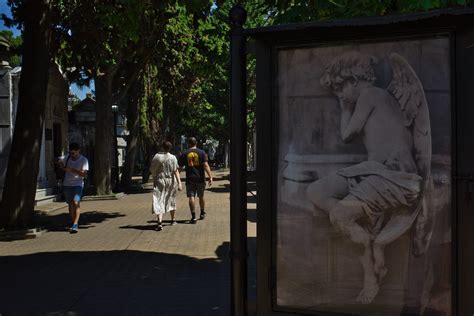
x: 378, y: 200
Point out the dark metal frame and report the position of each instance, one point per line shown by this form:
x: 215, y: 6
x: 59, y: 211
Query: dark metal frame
x: 460, y: 25
x: 238, y: 164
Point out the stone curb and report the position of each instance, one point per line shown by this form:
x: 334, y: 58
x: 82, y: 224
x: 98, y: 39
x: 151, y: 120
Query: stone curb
x: 9, y: 235
x: 45, y: 209
x: 115, y: 196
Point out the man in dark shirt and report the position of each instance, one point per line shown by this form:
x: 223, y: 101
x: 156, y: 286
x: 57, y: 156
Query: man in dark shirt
x: 194, y: 160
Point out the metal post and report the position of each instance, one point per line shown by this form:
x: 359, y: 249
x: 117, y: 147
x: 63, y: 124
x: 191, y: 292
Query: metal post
x: 238, y: 164
x: 115, y: 175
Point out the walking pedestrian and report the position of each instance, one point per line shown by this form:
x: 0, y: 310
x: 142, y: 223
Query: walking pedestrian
x: 194, y: 160
x: 75, y: 167
x: 166, y: 181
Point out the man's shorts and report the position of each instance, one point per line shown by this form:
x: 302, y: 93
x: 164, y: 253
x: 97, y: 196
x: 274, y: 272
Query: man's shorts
x: 193, y: 189
x: 72, y: 194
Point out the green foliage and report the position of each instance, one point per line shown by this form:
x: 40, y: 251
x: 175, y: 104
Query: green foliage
x: 16, y: 43
x: 72, y: 100
x: 96, y: 35
x: 179, y: 61
x: 198, y: 105
x: 150, y: 107
x: 288, y: 11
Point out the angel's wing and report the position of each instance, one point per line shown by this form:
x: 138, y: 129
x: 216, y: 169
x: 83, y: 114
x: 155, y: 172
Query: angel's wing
x: 407, y: 89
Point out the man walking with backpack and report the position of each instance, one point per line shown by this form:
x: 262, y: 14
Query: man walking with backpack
x: 194, y: 160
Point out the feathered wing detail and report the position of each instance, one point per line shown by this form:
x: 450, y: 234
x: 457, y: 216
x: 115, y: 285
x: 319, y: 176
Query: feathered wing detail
x: 407, y: 89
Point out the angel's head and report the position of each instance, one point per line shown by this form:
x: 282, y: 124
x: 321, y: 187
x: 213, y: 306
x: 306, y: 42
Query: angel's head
x: 348, y: 73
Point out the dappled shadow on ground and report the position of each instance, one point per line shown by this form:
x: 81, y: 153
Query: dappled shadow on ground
x: 153, y: 224
x: 115, y: 283
x: 251, y: 198
x: 140, y: 189
x: 221, y: 177
x: 252, y: 187
x: 252, y: 215
x: 62, y: 221
x: 220, y: 189
x: 183, y: 221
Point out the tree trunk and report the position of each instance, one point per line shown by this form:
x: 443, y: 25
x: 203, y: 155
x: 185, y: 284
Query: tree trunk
x: 17, y: 207
x: 133, y: 124
x: 104, y: 133
x: 151, y: 148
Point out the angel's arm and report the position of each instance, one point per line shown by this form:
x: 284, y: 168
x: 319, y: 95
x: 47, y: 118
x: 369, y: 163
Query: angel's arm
x: 346, y: 113
x: 353, y: 125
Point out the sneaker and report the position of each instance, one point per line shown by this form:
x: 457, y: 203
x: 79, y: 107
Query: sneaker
x: 173, y: 223
x: 202, y: 216
x: 159, y: 228
x: 193, y: 220
x: 74, y: 229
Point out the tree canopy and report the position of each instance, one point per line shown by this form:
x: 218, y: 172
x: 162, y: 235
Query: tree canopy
x: 289, y: 11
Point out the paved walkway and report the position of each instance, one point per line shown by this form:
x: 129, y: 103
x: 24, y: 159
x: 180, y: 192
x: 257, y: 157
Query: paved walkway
x: 118, y: 265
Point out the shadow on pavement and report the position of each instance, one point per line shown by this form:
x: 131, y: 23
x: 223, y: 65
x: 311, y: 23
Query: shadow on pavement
x: 61, y: 222
x: 153, y: 223
x: 153, y: 226
x: 131, y: 191
x: 139, y: 227
x: 219, y: 189
x: 251, y: 198
x: 252, y: 215
x: 182, y: 221
x: 115, y: 283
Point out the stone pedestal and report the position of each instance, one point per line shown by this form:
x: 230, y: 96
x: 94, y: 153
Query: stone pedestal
x: 318, y: 268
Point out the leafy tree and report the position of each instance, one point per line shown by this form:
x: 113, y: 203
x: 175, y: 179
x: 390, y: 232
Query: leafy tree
x: 111, y: 43
x: 150, y: 111
x: 175, y: 59
x: 100, y: 38
x: 163, y: 84
x: 193, y: 71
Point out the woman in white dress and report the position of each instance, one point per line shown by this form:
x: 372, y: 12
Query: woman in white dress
x: 166, y: 181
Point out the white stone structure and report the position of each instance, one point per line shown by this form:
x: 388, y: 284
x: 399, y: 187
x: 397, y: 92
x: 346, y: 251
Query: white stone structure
x: 54, y: 140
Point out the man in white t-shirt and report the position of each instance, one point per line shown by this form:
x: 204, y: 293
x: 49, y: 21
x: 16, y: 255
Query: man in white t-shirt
x: 75, y: 167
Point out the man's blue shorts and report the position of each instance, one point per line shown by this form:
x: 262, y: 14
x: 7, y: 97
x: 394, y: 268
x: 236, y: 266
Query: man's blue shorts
x: 72, y: 194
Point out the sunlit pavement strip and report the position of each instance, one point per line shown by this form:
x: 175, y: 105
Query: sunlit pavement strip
x: 117, y: 264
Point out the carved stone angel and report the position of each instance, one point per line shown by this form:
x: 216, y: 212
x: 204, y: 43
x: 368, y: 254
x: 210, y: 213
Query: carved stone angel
x: 378, y: 200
